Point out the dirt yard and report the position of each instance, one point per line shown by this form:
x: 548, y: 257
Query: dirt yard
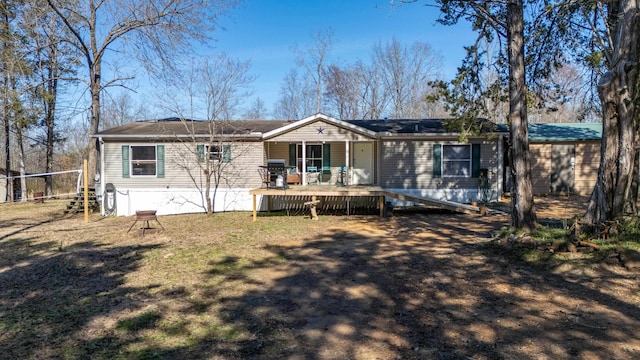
x: 414, y: 286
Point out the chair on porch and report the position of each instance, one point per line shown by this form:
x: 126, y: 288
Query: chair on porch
x: 343, y: 176
x: 313, y: 176
x: 325, y: 175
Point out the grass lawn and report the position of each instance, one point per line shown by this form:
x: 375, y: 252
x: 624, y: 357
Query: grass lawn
x: 417, y: 286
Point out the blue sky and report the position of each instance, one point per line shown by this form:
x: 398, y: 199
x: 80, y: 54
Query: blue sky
x: 264, y: 31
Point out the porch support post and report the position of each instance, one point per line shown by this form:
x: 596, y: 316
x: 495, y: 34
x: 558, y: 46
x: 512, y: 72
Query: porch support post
x: 381, y: 205
x: 304, y: 163
x: 347, y: 179
x: 255, y: 212
x: 346, y: 153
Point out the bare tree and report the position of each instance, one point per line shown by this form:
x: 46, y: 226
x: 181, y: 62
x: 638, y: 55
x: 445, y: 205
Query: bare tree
x: 343, y: 92
x: 296, y: 98
x: 217, y: 88
x: 395, y: 82
x: 406, y: 72
x: 257, y: 111
x: 374, y: 96
x: 154, y: 30
x: 313, y: 59
x: 563, y: 97
x: 121, y: 109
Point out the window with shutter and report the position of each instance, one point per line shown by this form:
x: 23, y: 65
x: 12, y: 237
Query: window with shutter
x: 459, y: 160
x: 143, y: 160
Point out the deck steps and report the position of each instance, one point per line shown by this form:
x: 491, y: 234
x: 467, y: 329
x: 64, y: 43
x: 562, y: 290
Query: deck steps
x: 76, y: 205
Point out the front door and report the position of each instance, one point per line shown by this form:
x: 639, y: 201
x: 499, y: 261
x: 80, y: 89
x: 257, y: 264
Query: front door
x: 562, y: 168
x: 362, y: 163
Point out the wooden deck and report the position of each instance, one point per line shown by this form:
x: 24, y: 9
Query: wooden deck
x: 321, y: 190
x: 316, y: 191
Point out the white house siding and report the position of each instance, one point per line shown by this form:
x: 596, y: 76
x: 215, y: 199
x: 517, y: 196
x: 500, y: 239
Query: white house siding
x: 179, y: 190
x: 407, y: 166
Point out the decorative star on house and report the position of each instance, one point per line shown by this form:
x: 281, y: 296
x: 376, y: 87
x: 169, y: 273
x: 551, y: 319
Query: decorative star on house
x: 320, y: 130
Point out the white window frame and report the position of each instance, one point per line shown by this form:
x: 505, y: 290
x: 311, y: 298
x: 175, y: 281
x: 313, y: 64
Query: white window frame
x: 214, y: 152
x: 143, y: 161
x: 445, y: 160
x: 310, y: 160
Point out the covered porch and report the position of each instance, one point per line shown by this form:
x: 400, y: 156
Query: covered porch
x: 322, y: 150
x: 327, y: 162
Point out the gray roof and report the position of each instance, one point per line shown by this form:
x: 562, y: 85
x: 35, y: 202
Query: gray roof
x: 417, y: 126
x: 558, y: 132
x: 174, y: 127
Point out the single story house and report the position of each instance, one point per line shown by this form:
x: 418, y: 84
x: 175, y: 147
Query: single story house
x: 164, y: 164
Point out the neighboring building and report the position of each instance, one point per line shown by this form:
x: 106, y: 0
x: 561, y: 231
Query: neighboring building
x: 157, y: 165
x: 565, y: 157
x: 13, y: 187
x: 9, y: 187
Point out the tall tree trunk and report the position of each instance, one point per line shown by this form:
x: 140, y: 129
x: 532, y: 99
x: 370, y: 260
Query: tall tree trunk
x: 51, y: 84
x: 617, y: 90
x: 523, y: 214
x: 50, y: 141
x: 7, y: 152
x: 4, y: 31
x: 23, y: 180
x: 635, y: 183
x: 95, y: 86
x: 93, y: 151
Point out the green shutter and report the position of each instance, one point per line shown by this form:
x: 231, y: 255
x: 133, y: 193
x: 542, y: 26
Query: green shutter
x: 475, y: 160
x: 226, y: 153
x: 326, y: 155
x: 160, y: 160
x: 292, y: 155
x: 437, y: 160
x: 200, y: 152
x: 125, y: 161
